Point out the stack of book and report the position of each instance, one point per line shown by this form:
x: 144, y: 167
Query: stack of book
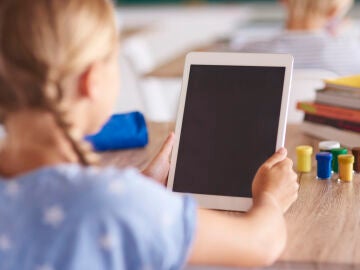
x: 335, y: 113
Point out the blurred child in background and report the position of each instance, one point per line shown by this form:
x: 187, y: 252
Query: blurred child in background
x: 317, y: 35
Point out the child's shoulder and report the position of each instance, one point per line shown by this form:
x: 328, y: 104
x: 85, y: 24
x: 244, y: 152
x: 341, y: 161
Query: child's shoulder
x: 97, y: 194
x: 126, y: 188
x: 103, y: 182
x: 99, y: 211
x: 84, y: 189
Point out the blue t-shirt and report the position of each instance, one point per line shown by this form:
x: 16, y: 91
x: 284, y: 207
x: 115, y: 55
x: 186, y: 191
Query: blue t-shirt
x: 71, y: 217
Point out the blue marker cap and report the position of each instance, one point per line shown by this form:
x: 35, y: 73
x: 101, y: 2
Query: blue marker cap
x: 324, y: 165
x: 324, y: 156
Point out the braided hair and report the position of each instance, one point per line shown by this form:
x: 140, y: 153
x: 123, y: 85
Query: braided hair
x: 43, y: 45
x: 81, y: 148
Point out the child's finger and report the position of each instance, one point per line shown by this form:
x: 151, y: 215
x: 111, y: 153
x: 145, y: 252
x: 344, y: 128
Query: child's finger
x: 167, y: 146
x: 280, y: 155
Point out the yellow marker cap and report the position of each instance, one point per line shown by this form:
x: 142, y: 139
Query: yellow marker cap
x: 304, y: 153
x: 304, y: 150
x: 346, y: 158
x: 346, y: 167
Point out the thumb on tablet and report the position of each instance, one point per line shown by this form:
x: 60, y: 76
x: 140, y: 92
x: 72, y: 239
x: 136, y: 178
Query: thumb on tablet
x: 278, y: 156
x: 167, y: 147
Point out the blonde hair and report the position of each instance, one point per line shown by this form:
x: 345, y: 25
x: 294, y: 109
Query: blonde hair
x: 43, y: 45
x: 300, y: 9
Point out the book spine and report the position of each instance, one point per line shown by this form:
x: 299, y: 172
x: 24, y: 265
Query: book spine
x: 340, y: 124
x: 338, y: 100
x: 330, y: 111
x: 346, y: 138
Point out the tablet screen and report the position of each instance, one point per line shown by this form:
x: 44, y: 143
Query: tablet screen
x: 230, y: 126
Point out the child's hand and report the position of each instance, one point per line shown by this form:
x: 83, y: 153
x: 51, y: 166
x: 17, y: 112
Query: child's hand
x: 277, y: 179
x: 158, y: 169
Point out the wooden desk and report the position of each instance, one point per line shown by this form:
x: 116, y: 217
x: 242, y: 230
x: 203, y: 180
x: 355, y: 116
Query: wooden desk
x: 323, y: 224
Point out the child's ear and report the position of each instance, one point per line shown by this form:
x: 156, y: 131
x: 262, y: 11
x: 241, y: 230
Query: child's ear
x: 89, y: 81
x: 333, y: 12
x: 340, y: 10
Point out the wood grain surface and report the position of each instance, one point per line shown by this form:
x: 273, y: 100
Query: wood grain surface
x: 139, y: 158
x: 323, y: 224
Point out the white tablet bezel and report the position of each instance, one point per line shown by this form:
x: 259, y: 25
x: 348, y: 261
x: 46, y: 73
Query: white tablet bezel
x: 231, y: 59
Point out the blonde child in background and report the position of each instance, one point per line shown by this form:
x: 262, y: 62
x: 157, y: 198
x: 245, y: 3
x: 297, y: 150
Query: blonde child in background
x: 316, y: 35
x: 59, y: 79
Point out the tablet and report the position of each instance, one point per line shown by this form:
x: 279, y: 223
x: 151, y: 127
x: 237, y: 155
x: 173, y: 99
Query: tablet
x: 232, y: 117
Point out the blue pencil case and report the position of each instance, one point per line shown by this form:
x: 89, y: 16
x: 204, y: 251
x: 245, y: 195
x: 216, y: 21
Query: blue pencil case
x: 122, y: 131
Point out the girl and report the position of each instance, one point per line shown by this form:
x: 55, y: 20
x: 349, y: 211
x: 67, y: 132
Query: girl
x: 316, y: 34
x: 59, y: 79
